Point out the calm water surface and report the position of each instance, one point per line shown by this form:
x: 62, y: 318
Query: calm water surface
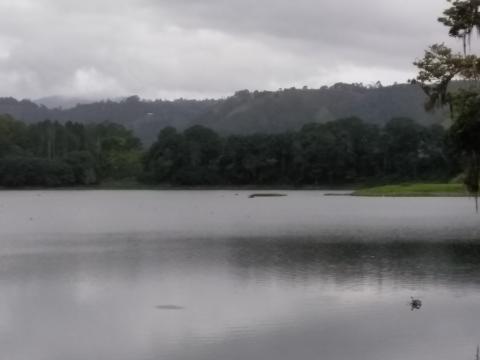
x: 213, y: 275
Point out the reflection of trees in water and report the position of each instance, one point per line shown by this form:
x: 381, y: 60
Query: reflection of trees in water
x: 344, y: 263
x: 295, y: 260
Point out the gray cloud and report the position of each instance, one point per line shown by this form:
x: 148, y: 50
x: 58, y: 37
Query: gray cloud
x: 202, y: 48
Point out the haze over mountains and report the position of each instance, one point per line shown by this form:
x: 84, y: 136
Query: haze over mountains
x: 65, y: 102
x: 243, y: 113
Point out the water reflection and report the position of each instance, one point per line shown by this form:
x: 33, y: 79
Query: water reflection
x: 256, y: 298
x: 215, y: 275
x: 352, y: 263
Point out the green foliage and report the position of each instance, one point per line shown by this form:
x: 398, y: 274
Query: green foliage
x: 186, y: 159
x: 345, y: 151
x: 118, y: 152
x: 51, y: 154
x: 83, y: 165
x: 437, y: 70
x: 462, y: 18
x: 12, y: 135
x: 30, y: 171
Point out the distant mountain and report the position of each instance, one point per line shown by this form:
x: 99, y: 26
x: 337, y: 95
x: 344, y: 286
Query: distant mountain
x: 243, y: 113
x: 278, y: 111
x: 145, y: 118
x: 62, y: 102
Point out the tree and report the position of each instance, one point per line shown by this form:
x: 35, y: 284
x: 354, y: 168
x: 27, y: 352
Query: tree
x: 440, y: 66
x: 165, y: 156
x: 117, y: 150
x: 12, y: 136
x: 83, y: 166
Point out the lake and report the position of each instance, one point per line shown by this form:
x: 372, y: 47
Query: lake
x: 214, y: 275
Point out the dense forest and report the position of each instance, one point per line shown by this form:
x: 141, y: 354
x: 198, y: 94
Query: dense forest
x: 246, y: 112
x: 53, y: 154
x: 341, y: 152
x: 344, y: 151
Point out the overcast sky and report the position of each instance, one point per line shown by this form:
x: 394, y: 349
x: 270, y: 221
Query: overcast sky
x: 207, y: 48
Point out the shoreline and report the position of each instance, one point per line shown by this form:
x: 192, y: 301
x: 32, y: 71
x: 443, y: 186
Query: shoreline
x: 181, y: 188
x: 400, y: 190
x: 414, y: 190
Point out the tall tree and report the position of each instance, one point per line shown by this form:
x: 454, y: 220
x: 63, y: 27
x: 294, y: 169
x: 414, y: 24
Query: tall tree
x: 440, y: 66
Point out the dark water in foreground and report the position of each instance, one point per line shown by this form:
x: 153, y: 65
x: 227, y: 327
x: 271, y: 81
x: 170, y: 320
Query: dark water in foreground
x: 217, y: 276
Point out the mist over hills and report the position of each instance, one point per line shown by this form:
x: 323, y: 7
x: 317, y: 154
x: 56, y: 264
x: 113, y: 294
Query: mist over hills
x: 243, y: 113
x: 65, y: 102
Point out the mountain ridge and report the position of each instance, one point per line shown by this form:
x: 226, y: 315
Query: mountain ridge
x: 245, y: 112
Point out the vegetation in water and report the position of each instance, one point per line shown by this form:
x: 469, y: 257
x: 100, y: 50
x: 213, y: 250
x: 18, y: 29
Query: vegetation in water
x: 260, y: 195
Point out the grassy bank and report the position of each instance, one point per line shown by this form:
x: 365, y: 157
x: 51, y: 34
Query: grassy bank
x: 414, y: 190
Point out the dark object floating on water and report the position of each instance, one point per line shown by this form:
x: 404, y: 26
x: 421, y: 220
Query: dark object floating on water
x: 415, y: 304
x: 266, y: 195
x: 169, y: 307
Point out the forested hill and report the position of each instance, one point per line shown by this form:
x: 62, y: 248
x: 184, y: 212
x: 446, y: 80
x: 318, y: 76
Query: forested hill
x: 290, y: 109
x: 145, y: 118
x: 243, y: 113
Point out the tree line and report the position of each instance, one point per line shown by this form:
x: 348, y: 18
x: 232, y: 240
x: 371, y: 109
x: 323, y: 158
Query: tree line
x: 340, y: 152
x: 53, y: 154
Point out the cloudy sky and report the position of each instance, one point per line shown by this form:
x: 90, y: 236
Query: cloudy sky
x: 207, y: 48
